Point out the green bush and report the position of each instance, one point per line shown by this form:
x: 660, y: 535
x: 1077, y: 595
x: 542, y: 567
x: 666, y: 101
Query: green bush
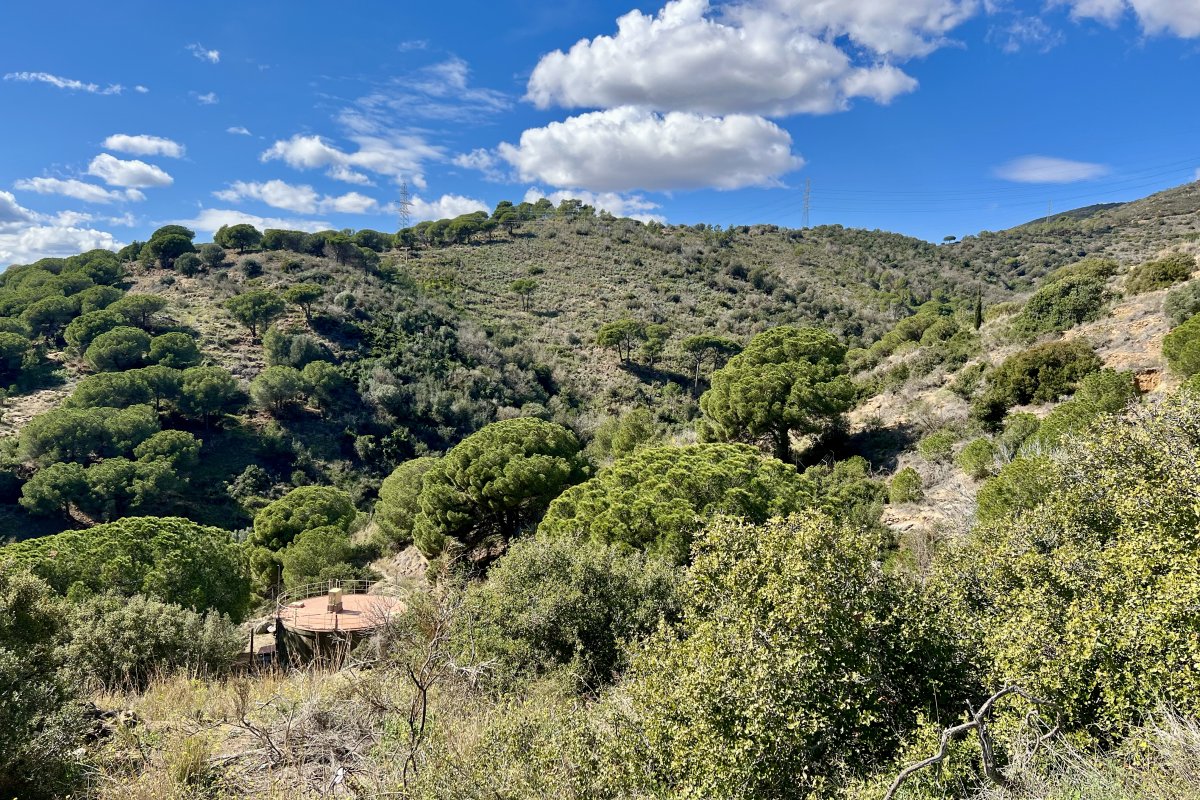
x: 1160, y: 274
x: 1062, y: 304
x: 798, y: 662
x: 123, y: 642
x: 978, y: 458
x: 1181, y: 347
x: 906, y: 487
x: 1089, y: 599
x: 565, y: 601
x: 1019, y: 486
x: 938, y: 447
x: 1181, y: 304
x: 1040, y: 374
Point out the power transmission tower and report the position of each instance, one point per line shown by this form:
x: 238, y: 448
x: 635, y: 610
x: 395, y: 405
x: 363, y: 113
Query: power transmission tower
x: 807, y: 201
x: 405, y: 206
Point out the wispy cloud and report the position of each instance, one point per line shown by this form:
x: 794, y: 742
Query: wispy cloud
x: 206, y: 99
x: 64, y: 83
x: 203, y: 53
x: 238, y: 130
x: 77, y: 189
x: 301, y: 198
x: 1046, y: 169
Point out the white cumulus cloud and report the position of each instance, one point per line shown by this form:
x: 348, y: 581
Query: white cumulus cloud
x: 771, y: 58
x: 26, y: 236
x: 302, y: 199
x: 1046, y: 169
x: 144, y: 145
x: 396, y: 155
x: 1178, y: 17
x: 64, y: 83
x: 210, y: 219
x: 79, y: 190
x: 117, y: 172
x: 624, y: 149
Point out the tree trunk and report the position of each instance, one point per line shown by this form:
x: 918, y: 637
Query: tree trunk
x: 783, y: 445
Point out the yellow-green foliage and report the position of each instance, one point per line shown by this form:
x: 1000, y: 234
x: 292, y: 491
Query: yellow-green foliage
x: 938, y: 447
x: 798, y: 661
x: 1181, y: 347
x: 905, y: 487
x: 977, y: 458
x: 1090, y: 598
x: 1160, y: 274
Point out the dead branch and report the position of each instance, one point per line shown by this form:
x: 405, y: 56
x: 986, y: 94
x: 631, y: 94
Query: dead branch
x: 977, y: 723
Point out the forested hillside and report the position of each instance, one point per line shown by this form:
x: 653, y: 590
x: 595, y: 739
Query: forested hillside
x: 673, y: 511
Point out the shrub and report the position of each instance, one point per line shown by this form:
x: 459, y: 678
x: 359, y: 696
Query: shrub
x: 1181, y: 304
x: 978, y: 458
x: 1160, y: 274
x: 1181, y: 347
x: 905, y: 487
x: 798, y: 660
x: 1038, y: 375
x: 1019, y: 486
x: 123, y: 642
x: 938, y: 447
x: 1085, y: 599
x: 1062, y: 304
x: 557, y: 602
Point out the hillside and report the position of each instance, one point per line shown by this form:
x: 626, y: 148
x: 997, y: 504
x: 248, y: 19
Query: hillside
x: 700, y: 501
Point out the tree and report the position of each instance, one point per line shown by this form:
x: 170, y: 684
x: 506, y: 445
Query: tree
x: 139, y: 309
x: 173, y: 559
x: 787, y: 380
x: 15, y: 349
x: 255, y: 309
x: 341, y: 248
x: 324, y: 382
x: 179, y: 449
x: 168, y: 243
x: 399, y: 496
x: 242, y: 237
x: 620, y: 335
x: 313, y: 552
x: 524, y: 289
x: 373, y: 240
x: 176, y: 350
x: 54, y: 490
x: 119, y: 349
x: 277, y: 389
x: 706, y: 347
x: 86, y: 327
x: 303, y: 509
x: 1041, y: 374
x: 657, y: 498
x: 206, y: 392
x: 304, y: 295
x: 495, y: 483
x: 49, y: 316
x: 95, y: 298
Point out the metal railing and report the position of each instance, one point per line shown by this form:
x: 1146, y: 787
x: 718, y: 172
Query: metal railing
x: 322, y: 587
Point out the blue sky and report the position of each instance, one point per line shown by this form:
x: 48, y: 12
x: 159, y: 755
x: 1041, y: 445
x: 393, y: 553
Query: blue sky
x: 927, y: 117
